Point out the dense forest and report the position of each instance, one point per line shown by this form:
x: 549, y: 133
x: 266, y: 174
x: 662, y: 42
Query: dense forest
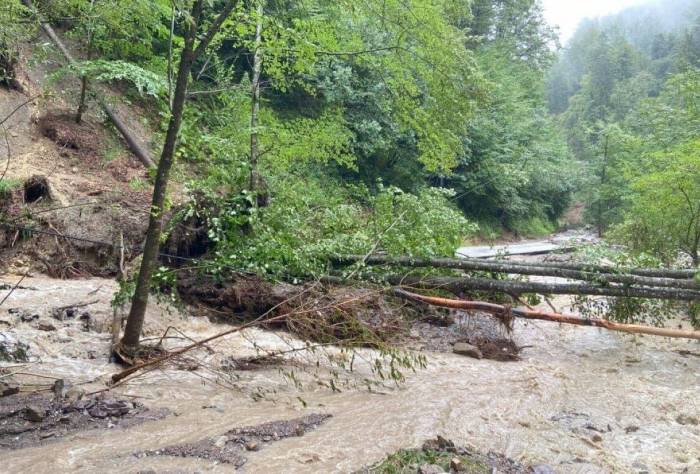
x: 299, y: 130
x: 437, y: 106
x: 626, y: 91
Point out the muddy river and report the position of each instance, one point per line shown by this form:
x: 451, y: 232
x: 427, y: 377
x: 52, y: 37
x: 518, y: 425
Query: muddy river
x: 581, y: 400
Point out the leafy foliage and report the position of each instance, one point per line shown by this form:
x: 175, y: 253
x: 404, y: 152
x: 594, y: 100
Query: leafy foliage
x: 146, y: 82
x: 15, y: 26
x: 307, y: 222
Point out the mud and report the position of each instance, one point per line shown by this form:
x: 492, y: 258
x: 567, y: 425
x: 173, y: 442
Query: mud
x: 229, y: 448
x: 30, y: 419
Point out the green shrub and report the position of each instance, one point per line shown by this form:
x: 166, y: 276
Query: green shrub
x: 532, y: 226
x: 308, y: 221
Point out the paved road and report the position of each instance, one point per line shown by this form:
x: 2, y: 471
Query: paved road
x: 559, y: 242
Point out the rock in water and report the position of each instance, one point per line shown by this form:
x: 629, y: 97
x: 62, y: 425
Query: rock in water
x: 44, y: 326
x: 7, y: 389
x: 542, y: 469
x: 462, y: 348
x: 687, y: 420
x: 74, y: 394
x: 105, y: 408
x: 430, y: 469
x: 34, y: 413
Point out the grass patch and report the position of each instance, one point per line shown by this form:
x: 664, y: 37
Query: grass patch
x: 410, y: 461
x: 7, y: 186
x: 532, y: 227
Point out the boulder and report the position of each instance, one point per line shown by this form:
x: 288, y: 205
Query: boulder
x: 430, y: 469
x: 462, y: 348
x: 34, y: 413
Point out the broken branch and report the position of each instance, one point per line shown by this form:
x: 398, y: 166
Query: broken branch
x: 499, y: 310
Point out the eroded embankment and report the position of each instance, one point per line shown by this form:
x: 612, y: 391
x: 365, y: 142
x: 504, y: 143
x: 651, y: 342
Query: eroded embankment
x: 579, y: 400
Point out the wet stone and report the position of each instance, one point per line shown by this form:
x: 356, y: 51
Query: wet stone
x: 108, y: 408
x: 7, y: 389
x: 687, y: 420
x: 430, y: 469
x: 34, y: 413
x: 27, y: 317
x: 74, y: 394
x: 464, y: 349
x: 45, y: 326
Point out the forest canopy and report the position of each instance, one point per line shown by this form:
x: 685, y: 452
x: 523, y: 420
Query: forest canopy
x: 627, y: 93
x: 471, y: 106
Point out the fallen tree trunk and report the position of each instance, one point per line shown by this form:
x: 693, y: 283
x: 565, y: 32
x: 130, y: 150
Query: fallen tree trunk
x: 688, y: 274
x: 502, y: 311
x: 134, y: 145
x: 460, y: 285
x: 520, y: 269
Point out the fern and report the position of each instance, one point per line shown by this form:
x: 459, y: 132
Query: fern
x: 146, y: 82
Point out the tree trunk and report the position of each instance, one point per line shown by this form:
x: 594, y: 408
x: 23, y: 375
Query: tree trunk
x: 519, y: 269
x: 460, y: 285
x: 255, y: 96
x: 687, y: 274
x: 81, y: 104
x: 84, y: 80
x: 502, y: 311
x: 134, y: 324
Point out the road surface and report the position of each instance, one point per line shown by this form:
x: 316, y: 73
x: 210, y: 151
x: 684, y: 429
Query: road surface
x: 559, y: 242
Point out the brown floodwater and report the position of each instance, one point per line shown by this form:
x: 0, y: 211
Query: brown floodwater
x: 581, y: 400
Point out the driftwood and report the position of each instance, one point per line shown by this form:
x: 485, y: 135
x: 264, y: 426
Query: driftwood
x: 522, y: 269
x: 139, y: 151
x: 503, y: 311
x: 460, y: 285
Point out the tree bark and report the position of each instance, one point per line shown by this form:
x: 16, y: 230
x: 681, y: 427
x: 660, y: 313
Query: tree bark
x: 134, y: 325
x: 82, y: 104
x: 460, y: 285
x: 255, y: 99
x: 520, y: 269
x: 502, y: 311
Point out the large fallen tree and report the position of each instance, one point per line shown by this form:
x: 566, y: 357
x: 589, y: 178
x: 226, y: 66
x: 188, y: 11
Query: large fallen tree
x: 504, y: 312
x: 686, y: 274
x: 519, y: 268
x: 462, y: 285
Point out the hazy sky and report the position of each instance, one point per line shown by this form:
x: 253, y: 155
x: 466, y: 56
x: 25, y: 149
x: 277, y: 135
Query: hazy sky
x: 568, y: 13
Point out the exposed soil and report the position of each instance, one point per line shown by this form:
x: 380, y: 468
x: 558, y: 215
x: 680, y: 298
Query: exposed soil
x: 28, y: 419
x: 229, y: 448
x: 82, y: 138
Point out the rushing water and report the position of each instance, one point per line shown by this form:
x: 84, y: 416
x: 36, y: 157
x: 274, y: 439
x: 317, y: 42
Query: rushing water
x: 582, y: 400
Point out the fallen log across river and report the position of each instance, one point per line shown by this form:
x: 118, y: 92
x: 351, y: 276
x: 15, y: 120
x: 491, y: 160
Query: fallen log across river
x: 461, y: 285
x: 538, y: 269
x: 505, y: 312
